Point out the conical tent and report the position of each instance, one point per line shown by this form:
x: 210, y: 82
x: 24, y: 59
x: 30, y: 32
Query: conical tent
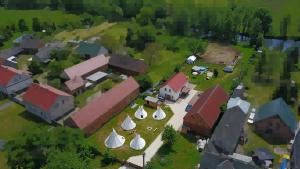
x: 137, y: 143
x: 159, y: 114
x: 128, y: 124
x: 140, y: 113
x: 114, y: 140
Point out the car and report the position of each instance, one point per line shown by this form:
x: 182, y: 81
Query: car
x: 188, y: 107
x: 160, y: 98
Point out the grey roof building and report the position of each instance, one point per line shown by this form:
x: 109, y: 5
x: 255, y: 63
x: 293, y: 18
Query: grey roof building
x: 90, y: 49
x: 44, y: 53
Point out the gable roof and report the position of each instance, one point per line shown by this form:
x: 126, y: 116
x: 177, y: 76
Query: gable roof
x: 14, y: 51
x: 278, y: 108
x: 90, y: 49
x: 42, y: 96
x: 86, y: 67
x: 128, y: 63
x: 32, y: 43
x: 75, y: 83
x: 226, y: 135
x: 244, y: 105
x: 176, y: 82
x: 296, y: 152
x: 92, y: 111
x: 7, y: 73
x: 44, y: 53
x: 207, y: 106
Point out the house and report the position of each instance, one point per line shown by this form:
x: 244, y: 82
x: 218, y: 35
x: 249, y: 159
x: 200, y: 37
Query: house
x: 31, y: 45
x: 239, y: 92
x: 211, y: 160
x: 14, y: 51
x: 89, y: 50
x: 77, y: 75
x: 13, y: 80
x: 191, y: 59
x: 21, y: 38
x: 100, y: 110
x: 86, y: 68
x: 152, y: 102
x: 295, y: 154
x: 262, y: 157
x: 127, y: 65
x: 11, y: 62
x: 204, y: 114
x: 75, y: 86
x: 175, y: 87
x: 228, y: 132
x: 47, y: 102
x: 44, y: 53
x: 275, y: 121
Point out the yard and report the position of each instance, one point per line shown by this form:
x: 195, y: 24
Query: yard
x: 149, y: 135
x: 182, y: 155
x: 23, y: 62
x: 15, y: 120
x: 88, y: 95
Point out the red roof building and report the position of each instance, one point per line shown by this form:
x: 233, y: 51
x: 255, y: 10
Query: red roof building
x: 13, y: 80
x: 204, y: 114
x: 96, y: 113
x: 47, y: 102
x: 75, y: 85
x: 174, y: 87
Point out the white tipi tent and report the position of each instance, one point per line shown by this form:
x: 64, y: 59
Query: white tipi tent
x: 114, y: 140
x: 140, y: 113
x: 159, y: 114
x: 128, y: 124
x: 137, y: 143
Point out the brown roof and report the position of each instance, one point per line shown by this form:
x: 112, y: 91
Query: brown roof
x: 75, y: 83
x: 128, y: 63
x: 207, y: 107
x: 104, y: 103
x: 86, y: 67
x: 32, y: 43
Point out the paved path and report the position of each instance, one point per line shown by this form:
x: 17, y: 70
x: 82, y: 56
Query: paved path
x: 176, y: 121
x: 5, y: 105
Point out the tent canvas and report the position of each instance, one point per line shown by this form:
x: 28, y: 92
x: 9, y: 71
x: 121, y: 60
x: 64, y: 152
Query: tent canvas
x: 140, y: 113
x: 159, y: 114
x: 137, y: 143
x: 128, y: 124
x: 114, y: 140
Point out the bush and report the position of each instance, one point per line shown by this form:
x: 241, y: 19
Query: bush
x: 108, y: 158
x: 145, y: 82
x: 35, y: 67
x: 169, y: 135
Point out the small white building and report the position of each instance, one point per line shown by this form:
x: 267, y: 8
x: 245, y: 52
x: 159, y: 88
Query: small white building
x: 191, y: 59
x: 175, y: 87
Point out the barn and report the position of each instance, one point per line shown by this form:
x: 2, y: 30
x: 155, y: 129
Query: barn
x: 95, y: 114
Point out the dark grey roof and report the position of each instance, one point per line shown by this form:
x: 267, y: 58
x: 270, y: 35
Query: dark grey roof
x: 295, y: 164
x: 278, y: 108
x: 263, y: 154
x: 44, y: 53
x: 239, y: 92
x: 14, y: 51
x: 218, y: 161
x: 128, y: 63
x: 32, y: 43
x: 226, y: 135
x: 21, y: 38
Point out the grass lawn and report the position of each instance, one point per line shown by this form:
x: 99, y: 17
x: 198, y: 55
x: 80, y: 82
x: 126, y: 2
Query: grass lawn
x: 182, y: 155
x: 278, y: 9
x: 83, y: 33
x: 23, y: 62
x: 125, y: 151
x: 15, y: 120
x: 83, y: 98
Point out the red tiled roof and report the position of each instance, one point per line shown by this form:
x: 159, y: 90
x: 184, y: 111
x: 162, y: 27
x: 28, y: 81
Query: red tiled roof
x: 207, y: 107
x: 177, y: 82
x: 75, y: 83
x: 86, y: 66
x: 7, y: 73
x: 42, y: 96
x: 99, y: 106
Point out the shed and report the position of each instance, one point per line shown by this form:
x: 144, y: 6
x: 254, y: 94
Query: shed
x: 152, y: 102
x: 97, y: 77
x: 191, y: 59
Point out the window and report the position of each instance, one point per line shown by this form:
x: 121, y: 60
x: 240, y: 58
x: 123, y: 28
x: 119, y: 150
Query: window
x: 165, y: 89
x: 169, y: 90
x: 63, y: 101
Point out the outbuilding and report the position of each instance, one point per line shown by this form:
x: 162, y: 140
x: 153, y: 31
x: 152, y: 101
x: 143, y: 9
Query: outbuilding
x: 191, y: 59
x: 152, y: 102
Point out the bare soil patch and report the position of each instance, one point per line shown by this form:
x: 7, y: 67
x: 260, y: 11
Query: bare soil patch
x: 220, y: 54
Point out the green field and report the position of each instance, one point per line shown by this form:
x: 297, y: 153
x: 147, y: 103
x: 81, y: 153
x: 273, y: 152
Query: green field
x: 278, y: 9
x: 182, y: 155
x: 12, y: 16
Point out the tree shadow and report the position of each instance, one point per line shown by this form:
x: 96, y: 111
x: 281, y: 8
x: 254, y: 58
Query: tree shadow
x: 190, y: 137
x: 165, y: 150
x: 30, y: 117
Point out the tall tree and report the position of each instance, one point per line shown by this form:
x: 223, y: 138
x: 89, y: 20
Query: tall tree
x: 284, y: 25
x: 36, y: 25
x: 22, y: 25
x: 54, y: 4
x: 266, y: 19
